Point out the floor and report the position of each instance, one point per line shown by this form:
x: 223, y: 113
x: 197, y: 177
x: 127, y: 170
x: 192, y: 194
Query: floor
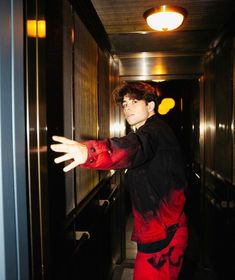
x: 125, y: 270
x: 130, y: 245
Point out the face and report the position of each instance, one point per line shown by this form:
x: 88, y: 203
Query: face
x: 136, y: 111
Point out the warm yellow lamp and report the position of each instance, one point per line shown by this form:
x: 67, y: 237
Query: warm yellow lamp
x: 165, y: 17
x: 166, y: 105
x: 36, y: 28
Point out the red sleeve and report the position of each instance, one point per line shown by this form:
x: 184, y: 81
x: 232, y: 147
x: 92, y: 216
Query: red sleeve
x: 129, y: 151
x: 108, y: 154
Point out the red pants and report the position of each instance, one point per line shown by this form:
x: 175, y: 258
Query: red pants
x: 163, y: 265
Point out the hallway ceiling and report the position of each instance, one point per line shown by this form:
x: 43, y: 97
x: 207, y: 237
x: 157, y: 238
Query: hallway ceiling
x: 147, y: 54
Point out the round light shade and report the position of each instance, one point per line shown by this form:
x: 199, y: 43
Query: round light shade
x: 165, y: 18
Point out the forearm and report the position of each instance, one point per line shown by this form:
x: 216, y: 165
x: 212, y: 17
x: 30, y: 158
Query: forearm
x: 105, y: 155
x: 112, y: 153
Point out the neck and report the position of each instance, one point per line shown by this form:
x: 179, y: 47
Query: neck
x: 151, y: 114
x: 139, y: 125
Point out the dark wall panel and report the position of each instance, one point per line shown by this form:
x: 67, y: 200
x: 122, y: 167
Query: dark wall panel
x: 86, y: 100
x: 80, y: 78
x: 209, y: 125
x: 68, y: 89
x: 233, y: 114
x: 223, y: 109
x: 217, y: 163
x: 103, y: 95
x: 36, y: 112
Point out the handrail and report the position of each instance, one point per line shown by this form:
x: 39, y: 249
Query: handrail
x: 110, y: 199
x: 218, y: 176
x: 103, y: 202
x: 80, y: 237
x: 80, y: 207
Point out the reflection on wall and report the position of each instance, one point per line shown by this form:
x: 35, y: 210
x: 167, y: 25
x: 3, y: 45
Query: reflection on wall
x: 217, y: 162
x: 218, y: 113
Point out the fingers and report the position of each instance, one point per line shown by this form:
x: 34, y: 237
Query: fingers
x: 62, y: 139
x: 61, y: 148
x: 71, y: 150
x: 63, y: 158
x: 70, y: 166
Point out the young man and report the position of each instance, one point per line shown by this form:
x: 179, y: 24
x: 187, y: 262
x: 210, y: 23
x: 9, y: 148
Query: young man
x: 155, y: 179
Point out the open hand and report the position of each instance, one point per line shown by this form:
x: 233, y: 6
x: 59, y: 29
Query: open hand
x: 73, y: 151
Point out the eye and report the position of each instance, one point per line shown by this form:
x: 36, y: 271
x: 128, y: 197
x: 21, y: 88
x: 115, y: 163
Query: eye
x: 124, y: 105
x: 134, y: 101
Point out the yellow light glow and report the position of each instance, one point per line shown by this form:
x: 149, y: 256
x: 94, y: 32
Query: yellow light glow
x: 202, y: 128
x: 41, y: 28
x: 165, y: 17
x: 144, y: 54
x: 31, y: 28
x: 162, y: 110
x: 166, y: 105
x: 144, y: 70
x: 72, y: 35
x: 159, y: 67
x: 36, y: 28
x: 210, y: 126
x: 165, y: 21
x: 181, y: 105
x: 159, y: 80
x: 222, y: 126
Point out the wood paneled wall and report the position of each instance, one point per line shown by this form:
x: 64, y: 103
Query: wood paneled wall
x: 103, y: 96
x: 79, y: 79
x: 68, y: 96
x: 85, y: 100
x: 89, y: 76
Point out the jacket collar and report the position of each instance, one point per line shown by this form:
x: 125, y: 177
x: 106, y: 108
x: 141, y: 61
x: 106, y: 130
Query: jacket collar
x: 151, y: 119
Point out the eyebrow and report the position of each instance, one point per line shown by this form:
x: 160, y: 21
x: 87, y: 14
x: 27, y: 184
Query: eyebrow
x: 130, y: 98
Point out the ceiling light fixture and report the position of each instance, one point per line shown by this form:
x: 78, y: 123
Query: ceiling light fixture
x: 165, y: 17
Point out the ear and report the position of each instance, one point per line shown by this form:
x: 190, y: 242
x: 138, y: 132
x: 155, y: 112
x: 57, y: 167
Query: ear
x: 151, y: 106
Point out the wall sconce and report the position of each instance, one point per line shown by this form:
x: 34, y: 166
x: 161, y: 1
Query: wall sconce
x: 36, y: 28
x: 165, y: 17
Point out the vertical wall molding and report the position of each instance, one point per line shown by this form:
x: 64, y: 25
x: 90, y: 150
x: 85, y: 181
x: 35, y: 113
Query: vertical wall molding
x: 13, y: 205
x: 233, y: 111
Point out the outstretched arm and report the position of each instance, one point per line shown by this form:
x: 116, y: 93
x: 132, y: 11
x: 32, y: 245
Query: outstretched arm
x: 124, y: 152
x: 73, y: 151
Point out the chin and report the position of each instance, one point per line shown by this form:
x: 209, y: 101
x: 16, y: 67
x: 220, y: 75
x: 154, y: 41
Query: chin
x: 131, y: 123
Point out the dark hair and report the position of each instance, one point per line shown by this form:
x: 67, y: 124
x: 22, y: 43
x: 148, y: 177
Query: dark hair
x: 136, y: 90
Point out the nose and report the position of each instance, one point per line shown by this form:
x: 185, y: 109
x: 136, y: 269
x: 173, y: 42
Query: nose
x: 127, y: 110
x: 127, y: 106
